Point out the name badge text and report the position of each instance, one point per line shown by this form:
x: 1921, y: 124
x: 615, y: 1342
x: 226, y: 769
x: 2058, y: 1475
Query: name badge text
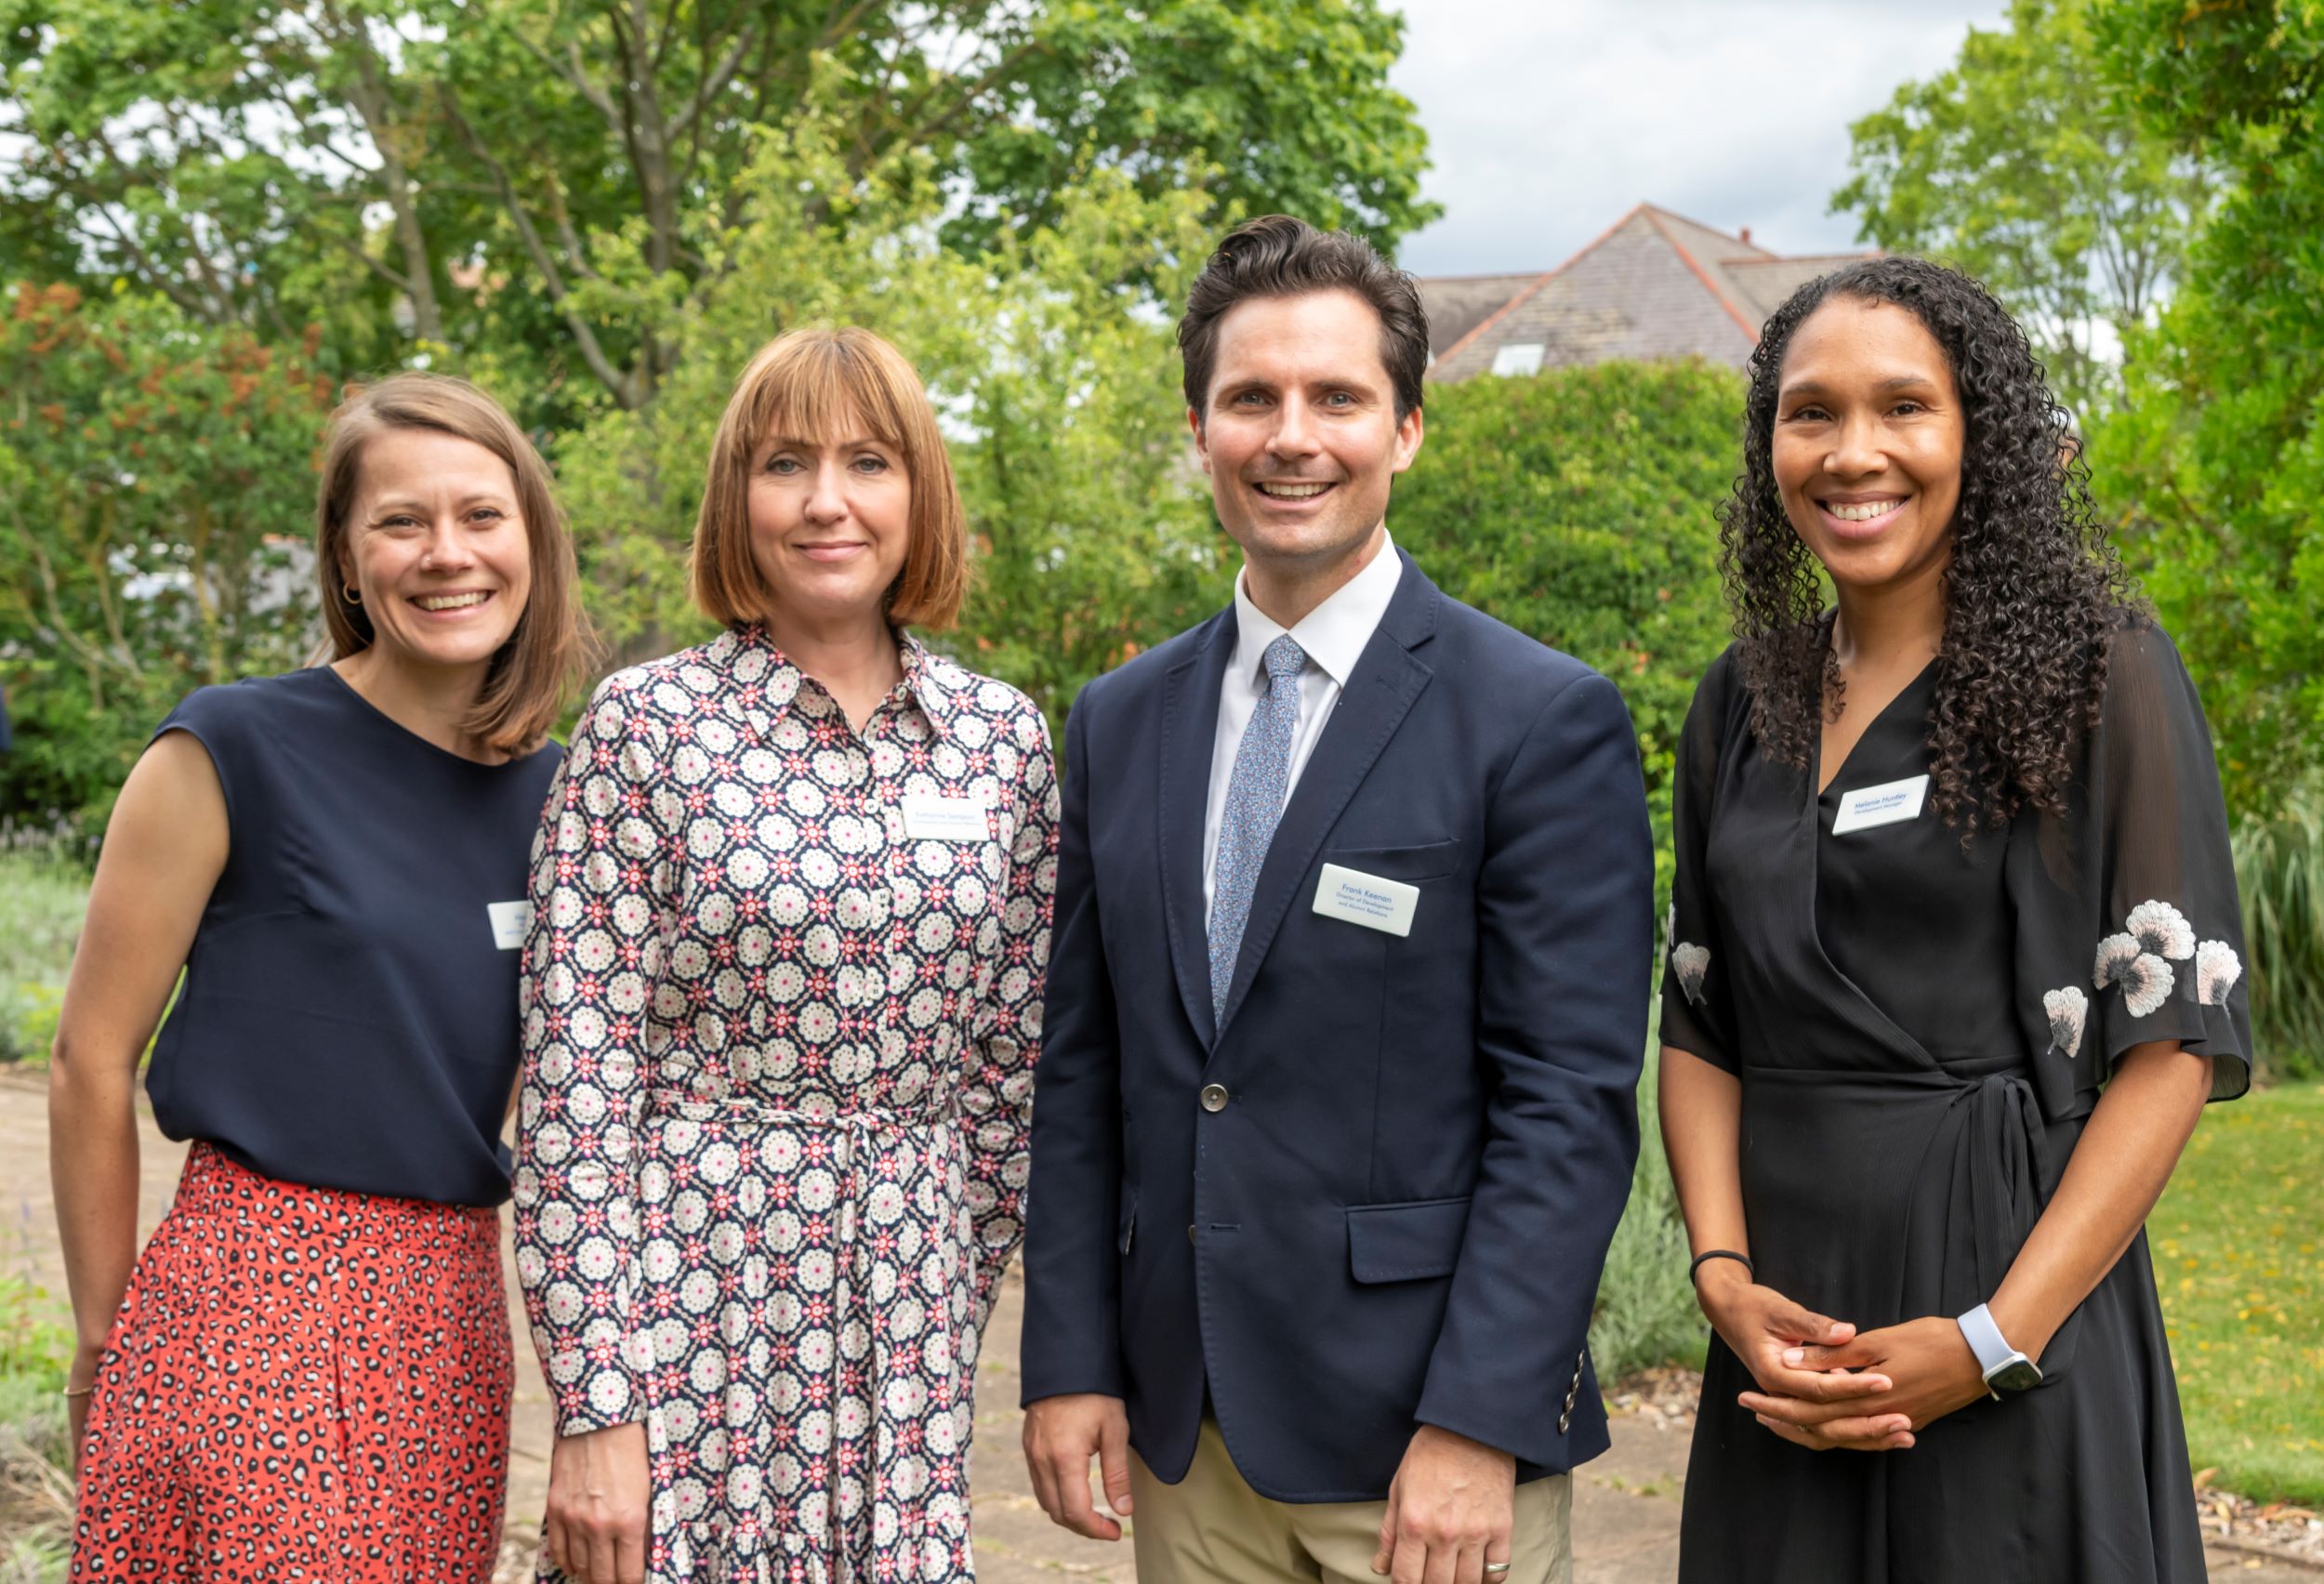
x: 928, y: 816
x: 1884, y: 804
x: 1359, y: 898
x: 510, y: 920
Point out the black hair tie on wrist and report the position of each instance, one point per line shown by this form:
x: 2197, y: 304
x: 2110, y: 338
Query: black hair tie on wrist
x: 1745, y: 1259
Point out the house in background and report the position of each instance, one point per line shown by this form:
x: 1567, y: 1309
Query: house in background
x: 1654, y: 286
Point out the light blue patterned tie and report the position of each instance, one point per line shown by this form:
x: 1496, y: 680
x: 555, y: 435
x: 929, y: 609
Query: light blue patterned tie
x: 1255, y: 791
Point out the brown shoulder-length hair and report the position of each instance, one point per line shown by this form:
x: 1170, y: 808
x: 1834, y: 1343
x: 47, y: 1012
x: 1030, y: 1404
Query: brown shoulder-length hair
x: 818, y: 386
x: 527, y: 682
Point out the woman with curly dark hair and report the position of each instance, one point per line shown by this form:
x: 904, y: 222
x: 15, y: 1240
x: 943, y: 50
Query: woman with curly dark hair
x: 1953, y: 968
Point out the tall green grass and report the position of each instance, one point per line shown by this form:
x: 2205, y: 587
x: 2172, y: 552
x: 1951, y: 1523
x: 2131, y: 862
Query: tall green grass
x: 2279, y: 869
x: 43, y: 897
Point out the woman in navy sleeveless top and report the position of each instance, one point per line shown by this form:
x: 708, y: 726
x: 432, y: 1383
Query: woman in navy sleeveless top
x: 307, y: 1373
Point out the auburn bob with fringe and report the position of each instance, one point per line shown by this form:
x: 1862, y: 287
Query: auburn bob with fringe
x: 824, y: 387
x: 526, y: 683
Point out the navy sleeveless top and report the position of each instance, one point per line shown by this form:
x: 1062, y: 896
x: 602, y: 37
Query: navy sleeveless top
x: 348, y: 1016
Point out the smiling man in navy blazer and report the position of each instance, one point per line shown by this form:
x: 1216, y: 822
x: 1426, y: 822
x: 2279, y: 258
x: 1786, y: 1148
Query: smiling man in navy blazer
x: 1334, y: 1116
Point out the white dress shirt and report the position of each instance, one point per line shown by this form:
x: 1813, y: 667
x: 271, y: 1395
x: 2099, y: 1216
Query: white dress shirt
x: 1333, y: 635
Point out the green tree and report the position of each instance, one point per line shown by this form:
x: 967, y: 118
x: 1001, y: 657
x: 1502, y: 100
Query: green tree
x: 2018, y: 163
x: 1092, y: 537
x: 1578, y: 507
x: 2216, y: 466
x: 155, y: 495
x: 554, y: 179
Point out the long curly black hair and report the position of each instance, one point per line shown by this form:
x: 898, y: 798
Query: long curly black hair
x: 2033, y: 591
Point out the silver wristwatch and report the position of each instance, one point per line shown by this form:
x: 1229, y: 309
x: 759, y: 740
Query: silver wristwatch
x: 2005, y: 1368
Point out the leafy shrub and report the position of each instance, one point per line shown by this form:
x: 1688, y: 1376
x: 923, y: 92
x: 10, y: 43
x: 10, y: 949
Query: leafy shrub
x: 159, y: 482
x: 2279, y: 870
x: 1578, y: 507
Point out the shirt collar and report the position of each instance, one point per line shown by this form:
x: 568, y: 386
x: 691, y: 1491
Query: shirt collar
x: 1334, y: 633
x: 930, y: 680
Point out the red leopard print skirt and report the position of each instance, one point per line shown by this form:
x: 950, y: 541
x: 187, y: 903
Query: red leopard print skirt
x: 302, y: 1385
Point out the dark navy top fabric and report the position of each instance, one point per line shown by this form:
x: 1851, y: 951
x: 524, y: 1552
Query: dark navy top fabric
x: 347, y: 1020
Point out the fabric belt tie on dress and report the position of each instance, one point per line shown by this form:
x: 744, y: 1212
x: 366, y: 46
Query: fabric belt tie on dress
x: 1982, y: 1162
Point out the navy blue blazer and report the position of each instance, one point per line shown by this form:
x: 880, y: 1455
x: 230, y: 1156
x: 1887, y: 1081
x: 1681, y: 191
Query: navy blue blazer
x: 1393, y: 1207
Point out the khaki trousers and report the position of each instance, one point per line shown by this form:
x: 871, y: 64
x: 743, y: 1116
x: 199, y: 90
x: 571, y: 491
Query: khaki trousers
x: 1212, y: 1529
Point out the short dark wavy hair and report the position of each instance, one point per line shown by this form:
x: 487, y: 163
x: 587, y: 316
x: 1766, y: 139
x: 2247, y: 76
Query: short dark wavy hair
x: 2033, y: 590
x: 1279, y: 256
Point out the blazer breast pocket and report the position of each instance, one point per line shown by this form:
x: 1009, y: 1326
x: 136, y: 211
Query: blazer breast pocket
x: 1429, y: 861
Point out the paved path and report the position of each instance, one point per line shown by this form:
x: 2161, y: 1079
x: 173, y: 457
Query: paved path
x: 1625, y: 1504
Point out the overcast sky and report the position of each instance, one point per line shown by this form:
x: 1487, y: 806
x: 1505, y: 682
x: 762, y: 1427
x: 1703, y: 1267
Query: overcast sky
x: 1548, y: 119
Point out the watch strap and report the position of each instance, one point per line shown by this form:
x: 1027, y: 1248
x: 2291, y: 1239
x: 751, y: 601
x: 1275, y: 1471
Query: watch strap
x: 1986, y: 1340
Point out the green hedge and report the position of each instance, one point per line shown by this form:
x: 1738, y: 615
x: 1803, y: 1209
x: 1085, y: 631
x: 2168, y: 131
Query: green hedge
x: 1578, y: 507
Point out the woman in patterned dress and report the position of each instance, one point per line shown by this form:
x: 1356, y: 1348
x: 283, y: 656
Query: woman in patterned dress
x: 791, y: 905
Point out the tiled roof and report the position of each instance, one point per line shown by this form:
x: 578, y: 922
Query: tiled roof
x: 1655, y: 285
x: 1457, y: 304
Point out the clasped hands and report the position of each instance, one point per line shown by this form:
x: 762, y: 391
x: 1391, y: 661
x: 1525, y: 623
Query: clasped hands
x: 1822, y: 1385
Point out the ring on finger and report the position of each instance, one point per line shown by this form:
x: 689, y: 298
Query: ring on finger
x: 1494, y: 1569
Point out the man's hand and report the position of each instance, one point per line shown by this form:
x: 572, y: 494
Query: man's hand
x: 598, y: 1493
x: 1450, y: 1512
x: 1060, y: 1435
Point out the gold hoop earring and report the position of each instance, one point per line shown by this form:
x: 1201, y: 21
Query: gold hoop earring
x: 354, y: 595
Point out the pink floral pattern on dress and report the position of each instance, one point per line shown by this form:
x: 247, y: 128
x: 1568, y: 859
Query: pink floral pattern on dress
x: 780, y: 1028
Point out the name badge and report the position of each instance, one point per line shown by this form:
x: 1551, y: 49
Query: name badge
x: 1884, y: 804
x: 510, y: 920
x: 1359, y: 898
x: 929, y: 817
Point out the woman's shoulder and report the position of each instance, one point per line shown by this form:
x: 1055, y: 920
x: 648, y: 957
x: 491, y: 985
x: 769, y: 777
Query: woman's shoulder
x: 666, y: 687
x: 1008, y: 711
x: 1719, y: 693
x: 2144, y: 668
x: 275, y: 703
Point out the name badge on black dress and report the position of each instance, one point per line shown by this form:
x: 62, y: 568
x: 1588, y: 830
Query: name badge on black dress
x: 1885, y: 805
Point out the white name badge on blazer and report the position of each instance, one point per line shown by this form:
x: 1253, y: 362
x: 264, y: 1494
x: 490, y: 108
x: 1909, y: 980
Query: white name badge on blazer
x: 510, y: 920
x: 928, y: 816
x: 1884, y: 804
x: 1367, y: 899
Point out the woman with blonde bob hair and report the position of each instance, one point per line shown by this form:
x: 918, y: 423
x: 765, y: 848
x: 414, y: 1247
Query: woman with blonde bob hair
x: 307, y: 1372
x: 790, y: 915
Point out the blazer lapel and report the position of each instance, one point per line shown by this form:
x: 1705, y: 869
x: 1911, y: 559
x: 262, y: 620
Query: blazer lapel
x: 1190, y: 729
x: 1371, y: 707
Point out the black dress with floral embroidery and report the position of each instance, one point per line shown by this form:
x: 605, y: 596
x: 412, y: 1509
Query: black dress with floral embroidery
x: 1921, y: 1030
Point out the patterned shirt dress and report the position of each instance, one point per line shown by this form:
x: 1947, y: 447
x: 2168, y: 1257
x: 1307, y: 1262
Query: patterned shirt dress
x: 782, y: 1007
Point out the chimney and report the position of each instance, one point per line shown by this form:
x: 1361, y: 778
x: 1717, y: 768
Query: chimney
x: 1746, y: 234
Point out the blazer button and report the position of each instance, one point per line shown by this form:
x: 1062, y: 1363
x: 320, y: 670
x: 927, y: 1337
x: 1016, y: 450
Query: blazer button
x: 1214, y: 1097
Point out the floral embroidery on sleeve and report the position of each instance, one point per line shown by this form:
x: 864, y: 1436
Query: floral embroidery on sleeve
x: 2069, y: 1009
x: 2139, y: 960
x: 2216, y: 970
x: 1690, y: 962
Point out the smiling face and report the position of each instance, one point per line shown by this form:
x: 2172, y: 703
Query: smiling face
x: 437, y: 548
x: 1300, y: 437
x: 1867, y: 449
x: 830, y: 523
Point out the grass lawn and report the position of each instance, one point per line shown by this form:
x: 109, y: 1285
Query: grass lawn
x: 2238, y: 1243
